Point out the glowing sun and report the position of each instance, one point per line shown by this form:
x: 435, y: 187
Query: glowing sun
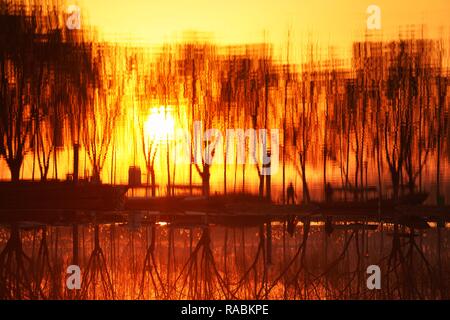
x: 160, y: 124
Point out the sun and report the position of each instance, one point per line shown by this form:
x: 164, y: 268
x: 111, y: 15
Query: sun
x: 160, y: 124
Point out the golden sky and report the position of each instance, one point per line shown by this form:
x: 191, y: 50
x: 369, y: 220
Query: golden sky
x: 325, y: 22
x: 245, y: 20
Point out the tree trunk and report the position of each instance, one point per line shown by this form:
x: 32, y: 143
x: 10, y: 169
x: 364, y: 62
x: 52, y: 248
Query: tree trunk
x: 205, y: 180
x: 14, y: 168
x: 261, y: 185
x: 153, y: 181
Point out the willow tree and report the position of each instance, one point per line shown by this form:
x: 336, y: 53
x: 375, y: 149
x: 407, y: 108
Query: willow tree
x: 63, y: 74
x: 103, y: 108
x: 398, y: 120
x: 305, y: 110
x: 40, y: 66
x: 208, y: 109
x: 145, y: 92
x: 264, y: 78
x: 17, y: 43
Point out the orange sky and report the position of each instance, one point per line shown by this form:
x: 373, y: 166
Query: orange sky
x: 329, y: 22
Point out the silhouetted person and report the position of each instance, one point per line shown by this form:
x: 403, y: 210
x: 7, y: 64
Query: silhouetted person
x: 290, y: 194
x: 328, y: 192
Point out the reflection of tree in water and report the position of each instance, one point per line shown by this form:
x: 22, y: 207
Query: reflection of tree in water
x: 402, y: 269
x: 200, y: 274
x: 96, y: 275
x: 252, y: 287
x: 337, y: 279
x: 292, y: 278
x: 150, y: 269
x: 15, y: 267
x: 303, y: 266
x: 46, y: 280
